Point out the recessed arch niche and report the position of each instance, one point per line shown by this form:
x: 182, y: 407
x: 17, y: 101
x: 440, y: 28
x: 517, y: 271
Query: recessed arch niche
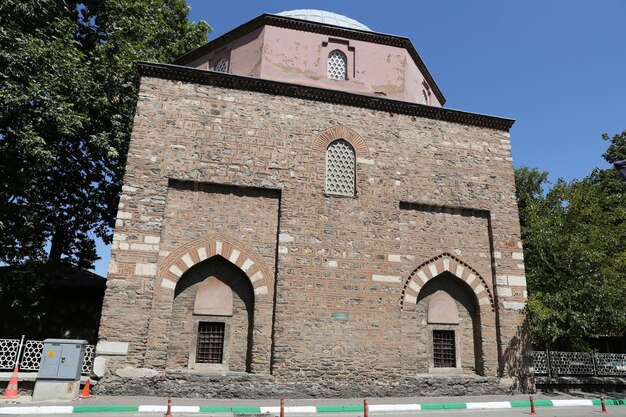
x: 214, y: 291
x: 446, y: 303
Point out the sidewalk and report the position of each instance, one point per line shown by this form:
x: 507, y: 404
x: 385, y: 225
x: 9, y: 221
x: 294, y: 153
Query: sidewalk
x: 105, y: 404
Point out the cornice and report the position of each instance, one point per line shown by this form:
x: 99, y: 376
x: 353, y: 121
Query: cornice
x: 314, y: 27
x: 238, y: 82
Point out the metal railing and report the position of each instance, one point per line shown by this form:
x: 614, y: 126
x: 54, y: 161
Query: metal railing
x: 554, y: 363
x: 30, y: 356
x: 549, y: 363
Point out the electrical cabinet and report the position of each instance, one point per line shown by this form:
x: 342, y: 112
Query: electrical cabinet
x: 62, y: 359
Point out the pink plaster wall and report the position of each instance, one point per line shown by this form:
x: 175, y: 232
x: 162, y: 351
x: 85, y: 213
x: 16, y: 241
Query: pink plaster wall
x: 244, y: 55
x: 298, y: 57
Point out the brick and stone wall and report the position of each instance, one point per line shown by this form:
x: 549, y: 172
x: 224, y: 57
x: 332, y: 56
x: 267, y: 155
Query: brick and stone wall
x: 216, y: 171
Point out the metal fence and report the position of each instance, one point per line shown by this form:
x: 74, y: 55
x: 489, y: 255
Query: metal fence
x: 30, y: 357
x: 549, y: 363
x: 578, y: 363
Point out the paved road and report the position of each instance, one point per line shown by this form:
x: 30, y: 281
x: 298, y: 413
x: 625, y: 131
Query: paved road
x: 150, y: 402
x: 541, y: 412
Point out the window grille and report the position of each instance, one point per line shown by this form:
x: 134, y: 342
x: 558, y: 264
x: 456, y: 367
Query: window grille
x: 222, y: 66
x: 210, y: 347
x: 337, y: 65
x: 340, y: 170
x: 444, y: 351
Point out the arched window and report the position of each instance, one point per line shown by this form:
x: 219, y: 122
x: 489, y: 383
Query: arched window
x: 222, y: 65
x: 337, y: 65
x: 340, y: 168
x: 424, y: 97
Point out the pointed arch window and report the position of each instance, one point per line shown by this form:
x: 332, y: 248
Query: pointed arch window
x: 340, y: 168
x: 337, y: 65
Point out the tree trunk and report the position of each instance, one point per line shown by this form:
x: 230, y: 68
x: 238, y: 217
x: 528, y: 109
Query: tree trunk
x: 56, y: 246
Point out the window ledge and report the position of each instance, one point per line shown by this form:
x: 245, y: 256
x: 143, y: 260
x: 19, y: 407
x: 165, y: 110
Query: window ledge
x: 208, y: 368
x: 339, y: 195
x: 445, y: 371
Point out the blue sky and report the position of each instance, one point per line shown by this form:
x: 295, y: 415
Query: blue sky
x: 557, y: 67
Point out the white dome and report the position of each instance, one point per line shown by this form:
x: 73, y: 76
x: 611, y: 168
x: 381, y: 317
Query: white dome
x: 322, y: 16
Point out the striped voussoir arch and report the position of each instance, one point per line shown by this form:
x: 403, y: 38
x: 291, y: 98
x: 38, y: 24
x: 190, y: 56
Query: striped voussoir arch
x: 439, y: 264
x: 201, y: 249
x: 326, y: 137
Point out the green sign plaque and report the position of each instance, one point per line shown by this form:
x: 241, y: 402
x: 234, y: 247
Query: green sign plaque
x: 341, y: 316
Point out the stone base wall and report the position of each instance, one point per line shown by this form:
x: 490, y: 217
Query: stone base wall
x: 251, y: 386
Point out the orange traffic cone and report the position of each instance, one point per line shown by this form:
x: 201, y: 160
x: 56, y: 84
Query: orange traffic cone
x: 11, y: 391
x: 85, y: 393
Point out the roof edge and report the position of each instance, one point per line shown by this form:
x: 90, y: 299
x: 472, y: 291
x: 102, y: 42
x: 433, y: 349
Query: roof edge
x: 315, y: 27
x: 221, y: 79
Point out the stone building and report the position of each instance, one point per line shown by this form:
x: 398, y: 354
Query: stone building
x: 301, y: 216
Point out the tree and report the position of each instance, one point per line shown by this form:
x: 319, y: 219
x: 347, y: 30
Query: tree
x: 575, y: 257
x: 617, y: 148
x: 68, y: 92
x: 529, y: 184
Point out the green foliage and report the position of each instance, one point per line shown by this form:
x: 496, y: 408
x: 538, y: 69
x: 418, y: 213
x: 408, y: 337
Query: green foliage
x: 529, y: 184
x: 68, y: 89
x: 617, y: 148
x: 49, y: 299
x: 23, y: 301
x: 575, y: 256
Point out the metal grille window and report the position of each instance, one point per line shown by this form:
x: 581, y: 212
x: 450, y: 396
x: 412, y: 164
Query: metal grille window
x: 444, y: 351
x: 222, y: 66
x: 210, y: 347
x: 337, y: 65
x: 340, y: 170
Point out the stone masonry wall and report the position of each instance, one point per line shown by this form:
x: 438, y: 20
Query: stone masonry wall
x: 342, y: 266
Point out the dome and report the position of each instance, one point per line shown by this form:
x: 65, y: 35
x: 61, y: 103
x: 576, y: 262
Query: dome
x: 327, y: 18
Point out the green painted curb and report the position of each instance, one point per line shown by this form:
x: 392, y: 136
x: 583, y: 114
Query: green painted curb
x: 244, y: 409
x: 329, y: 408
x: 432, y: 406
x: 352, y: 408
x: 104, y: 408
x: 520, y: 403
x: 542, y: 403
x: 215, y: 409
x: 610, y: 402
x: 454, y: 406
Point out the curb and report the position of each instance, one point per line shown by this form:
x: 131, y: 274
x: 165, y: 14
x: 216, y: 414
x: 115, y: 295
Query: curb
x: 374, y: 408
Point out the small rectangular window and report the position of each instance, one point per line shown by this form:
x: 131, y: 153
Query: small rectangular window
x: 444, y: 352
x: 210, y: 347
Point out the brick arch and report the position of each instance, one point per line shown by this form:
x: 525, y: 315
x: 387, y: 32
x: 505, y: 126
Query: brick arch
x: 204, y: 248
x: 326, y: 137
x: 442, y: 263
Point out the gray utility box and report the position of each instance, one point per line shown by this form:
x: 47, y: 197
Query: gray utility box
x: 59, y: 370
